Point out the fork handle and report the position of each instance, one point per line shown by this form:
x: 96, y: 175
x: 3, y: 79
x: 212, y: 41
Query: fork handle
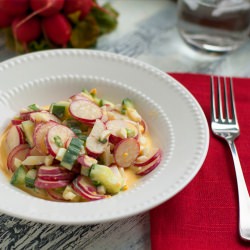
x: 243, y: 196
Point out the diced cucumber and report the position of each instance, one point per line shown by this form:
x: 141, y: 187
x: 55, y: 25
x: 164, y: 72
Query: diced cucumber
x: 130, y: 133
x: 127, y: 103
x: 34, y: 107
x: 18, y: 178
x: 72, y: 153
x: 102, y: 175
x: 97, y: 101
x: 61, y: 152
x: 28, y: 129
x: 69, y: 194
x: 30, y: 178
x: 60, y: 109
x: 75, y: 126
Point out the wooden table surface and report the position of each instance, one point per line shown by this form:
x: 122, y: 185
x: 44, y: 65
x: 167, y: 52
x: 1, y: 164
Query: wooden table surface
x: 147, y: 31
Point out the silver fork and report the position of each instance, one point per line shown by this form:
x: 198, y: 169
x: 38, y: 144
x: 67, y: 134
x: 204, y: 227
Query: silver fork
x: 225, y: 125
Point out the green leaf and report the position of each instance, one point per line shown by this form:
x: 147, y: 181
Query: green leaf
x: 39, y: 45
x: 106, y: 17
x: 85, y: 33
x: 74, y: 17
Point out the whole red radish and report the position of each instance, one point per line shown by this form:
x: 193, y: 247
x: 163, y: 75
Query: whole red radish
x: 57, y: 29
x: 84, y: 6
x: 26, y: 31
x: 14, y: 7
x: 5, y: 19
x: 46, y: 7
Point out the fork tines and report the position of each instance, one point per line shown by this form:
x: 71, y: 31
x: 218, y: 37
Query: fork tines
x: 222, y: 99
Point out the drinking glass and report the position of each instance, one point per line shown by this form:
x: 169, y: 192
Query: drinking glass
x: 214, y: 25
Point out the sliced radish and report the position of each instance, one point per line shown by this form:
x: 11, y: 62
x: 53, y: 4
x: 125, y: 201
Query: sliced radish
x: 87, y: 161
x: 149, y: 167
x: 45, y: 184
x: 93, y: 145
x: 63, y: 134
x: 55, y: 195
x: 43, y: 116
x: 40, y: 133
x: 15, y: 137
x: 116, y: 126
x: 54, y: 173
x: 85, y: 111
x: 98, y: 129
x: 79, y: 96
x: 82, y: 186
x: 144, y: 125
x: 26, y: 115
x: 19, y: 152
x: 153, y: 155
x: 126, y: 151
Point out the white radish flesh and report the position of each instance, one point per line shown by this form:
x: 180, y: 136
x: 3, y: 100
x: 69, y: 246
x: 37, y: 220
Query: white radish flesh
x: 40, y: 133
x: 85, y: 111
x: 126, y: 151
x: 63, y: 134
x: 149, y: 167
x: 14, y: 137
x: 19, y: 152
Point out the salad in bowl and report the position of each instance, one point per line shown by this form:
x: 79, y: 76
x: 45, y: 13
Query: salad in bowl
x: 80, y: 149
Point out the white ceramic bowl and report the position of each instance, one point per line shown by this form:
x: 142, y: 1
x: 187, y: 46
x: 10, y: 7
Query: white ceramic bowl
x: 56, y: 88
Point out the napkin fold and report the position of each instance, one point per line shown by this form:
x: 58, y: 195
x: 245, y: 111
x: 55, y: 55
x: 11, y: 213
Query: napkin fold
x: 204, y: 215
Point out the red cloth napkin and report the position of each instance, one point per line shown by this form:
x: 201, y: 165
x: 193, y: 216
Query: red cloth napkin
x: 204, y: 215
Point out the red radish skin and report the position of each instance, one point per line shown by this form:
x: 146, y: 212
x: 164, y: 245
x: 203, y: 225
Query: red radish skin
x: 5, y: 19
x: 59, y: 130
x: 45, y: 184
x: 72, y: 6
x: 150, y: 167
x: 20, y: 152
x: 85, y: 111
x: 78, y: 97
x: 52, y: 170
x: 15, y: 137
x: 14, y: 7
x: 26, y: 115
x: 46, y: 7
x: 126, y: 151
x: 57, y: 29
x: 151, y: 158
x: 82, y: 186
x: 26, y: 31
x: 54, y: 173
x: 16, y: 122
